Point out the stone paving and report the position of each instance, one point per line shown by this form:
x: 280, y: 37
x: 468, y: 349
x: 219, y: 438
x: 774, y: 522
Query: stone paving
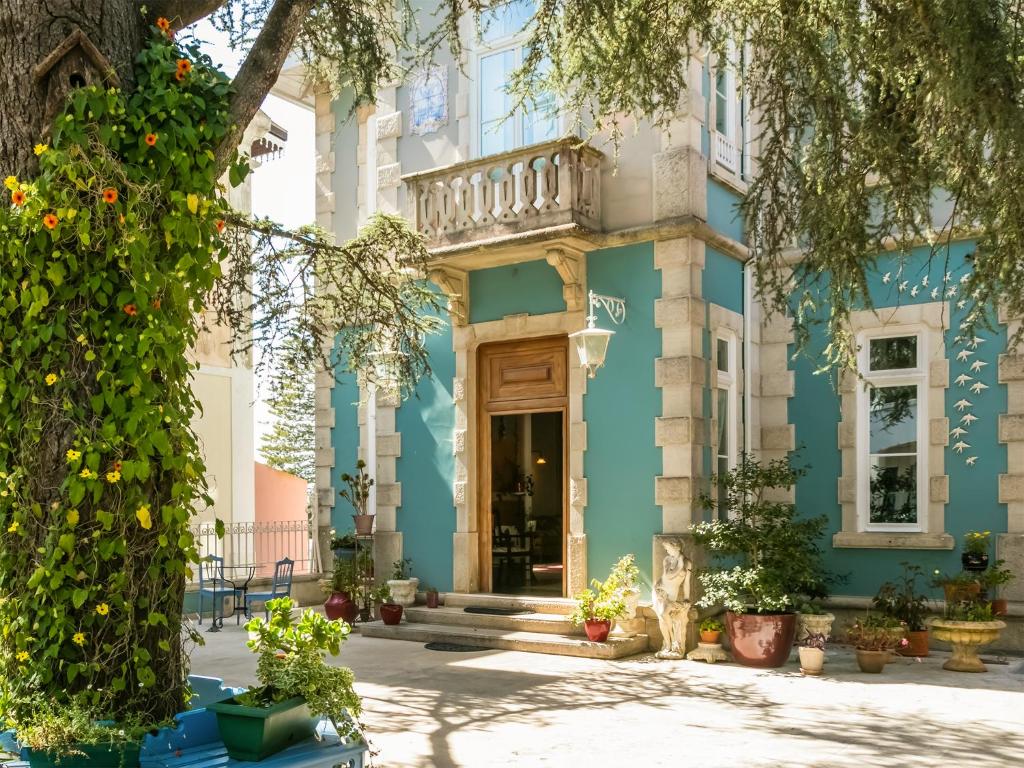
x: 427, y: 709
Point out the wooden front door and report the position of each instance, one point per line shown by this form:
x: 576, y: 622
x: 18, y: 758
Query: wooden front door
x: 523, y: 465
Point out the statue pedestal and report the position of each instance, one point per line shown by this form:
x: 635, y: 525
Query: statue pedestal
x: 709, y: 652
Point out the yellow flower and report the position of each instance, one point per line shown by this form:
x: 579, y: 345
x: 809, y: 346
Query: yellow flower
x: 102, y: 609
x: 51, y: 379
x: 11, y: 183
x: 73, y: 455
x: 78, y: 639
x: 73, y: 517
x: 22, y: 656
x: 113, y: 477
x: 13, y: 527
x: 145, y: 519
x: 81, y: 338
x: 86, y: 473
x: 40, y: 148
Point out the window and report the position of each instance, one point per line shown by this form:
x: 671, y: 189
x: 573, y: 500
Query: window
x: 728, y: 123
x: 892, y: 433
x: 503, y: 39
x: 726, y: 401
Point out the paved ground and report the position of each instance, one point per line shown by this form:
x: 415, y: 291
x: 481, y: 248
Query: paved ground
x: 426, y: 709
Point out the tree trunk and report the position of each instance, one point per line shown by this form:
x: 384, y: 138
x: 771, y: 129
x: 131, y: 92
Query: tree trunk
x: 29, y: 31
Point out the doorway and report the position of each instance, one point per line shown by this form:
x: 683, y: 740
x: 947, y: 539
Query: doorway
x: 523, y: 447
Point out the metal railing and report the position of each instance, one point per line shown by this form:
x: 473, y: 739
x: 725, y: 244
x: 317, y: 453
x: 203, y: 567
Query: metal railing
x: 260, y: 545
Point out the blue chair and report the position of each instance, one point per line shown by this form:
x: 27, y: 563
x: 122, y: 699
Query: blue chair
x: 212, y: 584
x: 281, y: 586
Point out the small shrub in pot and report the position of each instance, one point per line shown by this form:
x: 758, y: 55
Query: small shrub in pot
x: 812, y: 653
x: 596, y: 609
x: 902, y: 602
x: 711, y: 630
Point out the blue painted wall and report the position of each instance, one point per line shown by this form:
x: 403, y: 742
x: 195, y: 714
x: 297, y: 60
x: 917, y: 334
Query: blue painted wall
x: 426, y: 468
x: 723, y: 210
x: 533, y: 288
x: 722, y: 282
x: 345, y: 440
x: 973, y: 491
x: 620, y: 407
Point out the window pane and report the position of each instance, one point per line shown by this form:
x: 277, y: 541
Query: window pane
x: 496, y: 133
x: 723, y: 355
x: 723, y: 496
x: 895, y: 353
x: 722, y: 102
x: 893, y: 489
x: 723, y: 423
x: 893, y: 420
x: 506, y: 20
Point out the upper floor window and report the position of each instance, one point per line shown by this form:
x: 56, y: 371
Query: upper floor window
x: 503, y: 38
x: 892, y: 433
x: 727, y: 403
x: 729, y: 111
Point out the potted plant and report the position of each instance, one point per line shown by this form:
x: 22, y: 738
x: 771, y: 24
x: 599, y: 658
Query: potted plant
x: 812, y: 653
x: 960, y: 587
x: 991, y: 580
x: 768, y: 558
x: 344, y: 546
x: 711, y: 630
x: 596, y: 609
x: 966, y: 626
x: 390, y: 611
x: 432, y: 596
x: 624, y: 581
x: 71, y: 736
x: 297, y: 685
x: 813, y: 619
x: 874, y: 637
x: 403, y: 586
x: 342, y: 587
x: 358, y: 495
x: 904, y: 603
x: 975, y: 555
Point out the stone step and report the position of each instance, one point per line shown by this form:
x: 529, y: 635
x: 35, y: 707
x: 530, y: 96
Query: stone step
x: 558, y: 605
x: 545, y: 623
x: 533, y: 642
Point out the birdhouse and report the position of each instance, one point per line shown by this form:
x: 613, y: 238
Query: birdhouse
x: 75, y: 63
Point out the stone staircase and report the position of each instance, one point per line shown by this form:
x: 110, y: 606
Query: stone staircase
x: 543, y: 628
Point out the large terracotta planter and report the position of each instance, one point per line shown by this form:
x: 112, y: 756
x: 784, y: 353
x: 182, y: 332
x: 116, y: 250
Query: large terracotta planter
x: 965, y: 637
x: 872, y: 662
x: 341, y: 606
x: 1000, y: 606
x: 815, y: 624
x: 917, y: 644
x: 761, y: 640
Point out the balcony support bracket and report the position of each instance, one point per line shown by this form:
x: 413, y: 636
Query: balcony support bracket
x: 571, y: 266
x: 455, y: 285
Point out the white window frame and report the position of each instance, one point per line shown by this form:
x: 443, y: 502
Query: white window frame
x: 479, y: 50
x: 730, y: 156
x: 729, y: 381
x: 918, y: 377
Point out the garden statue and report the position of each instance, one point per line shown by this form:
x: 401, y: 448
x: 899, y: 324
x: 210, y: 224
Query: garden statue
x: 669, y: 598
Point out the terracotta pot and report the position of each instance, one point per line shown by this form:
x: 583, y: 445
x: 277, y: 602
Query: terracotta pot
x: 872, y: 661
x: 710, y: 636
x: 964, y: 638
x: 917, y: 644
x: 340, y: 606
x: 1000, y: 606
x: 811, y: 660
x: 364, y: 524
x: 391, y: 613
x: 433, y: 599
x: 597, y: 629
x: 974, y: 562
x: 761, y: 640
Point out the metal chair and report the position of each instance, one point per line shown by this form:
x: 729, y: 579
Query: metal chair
x: 213, y: 585
x: 281, y: 586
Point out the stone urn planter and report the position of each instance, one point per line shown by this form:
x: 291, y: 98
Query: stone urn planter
x: 403, y: 591
x: 814, y: 624
x: 966, y: 637
x: 627, y: 624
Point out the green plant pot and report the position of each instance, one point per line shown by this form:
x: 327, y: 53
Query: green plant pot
x: 256, y: 733
x: 93, y: 756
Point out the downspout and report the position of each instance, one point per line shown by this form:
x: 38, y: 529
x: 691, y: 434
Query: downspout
x: 748, y: 347
x: 371, y: 402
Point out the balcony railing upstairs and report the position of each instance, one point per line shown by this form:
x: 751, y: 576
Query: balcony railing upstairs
x: 547, y: 186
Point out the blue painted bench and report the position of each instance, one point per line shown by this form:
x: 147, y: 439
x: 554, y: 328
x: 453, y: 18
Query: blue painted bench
x: 195, y: 741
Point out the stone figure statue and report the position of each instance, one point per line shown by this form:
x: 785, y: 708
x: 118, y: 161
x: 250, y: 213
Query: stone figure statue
x: 670, y: 603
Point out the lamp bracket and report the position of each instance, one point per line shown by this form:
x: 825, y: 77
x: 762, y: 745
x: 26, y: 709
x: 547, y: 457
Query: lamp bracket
x: 614, y: 306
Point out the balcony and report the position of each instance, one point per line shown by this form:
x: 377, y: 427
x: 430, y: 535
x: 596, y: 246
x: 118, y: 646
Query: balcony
x: 538, y: 192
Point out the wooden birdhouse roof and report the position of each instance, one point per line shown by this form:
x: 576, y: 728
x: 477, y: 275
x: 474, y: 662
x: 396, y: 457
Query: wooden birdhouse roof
x: 77, y: 39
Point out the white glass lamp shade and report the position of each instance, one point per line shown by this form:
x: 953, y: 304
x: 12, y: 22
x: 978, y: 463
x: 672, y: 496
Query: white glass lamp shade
x: 591, y: 346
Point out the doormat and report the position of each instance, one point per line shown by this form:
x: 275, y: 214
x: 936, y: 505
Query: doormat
x: 454, y: 647
x: 488, y: 611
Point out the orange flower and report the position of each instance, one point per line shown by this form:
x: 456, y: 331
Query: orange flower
x: 164, y: 26
x: 110, y: 195
x: 179, y: 76
x: 184, y: 65
x: 156, y: 303
x: 131, y: 310
x: 220, y: 225
x: 18, y: 197
x: 50, y: 221
x: 117, y: 466
x: 151, y: 139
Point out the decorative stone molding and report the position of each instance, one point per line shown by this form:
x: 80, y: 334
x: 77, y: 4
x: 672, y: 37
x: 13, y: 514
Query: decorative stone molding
x: 571, y: 267
x: 680, y: 374
x: 389, y: 175
x: 466, y: 339
x: 455, y: 285
x: 1010, y: 545
x: 773, y: 384
x: 389, y: 126
x: 721, y: 318
x: 933, y: 317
